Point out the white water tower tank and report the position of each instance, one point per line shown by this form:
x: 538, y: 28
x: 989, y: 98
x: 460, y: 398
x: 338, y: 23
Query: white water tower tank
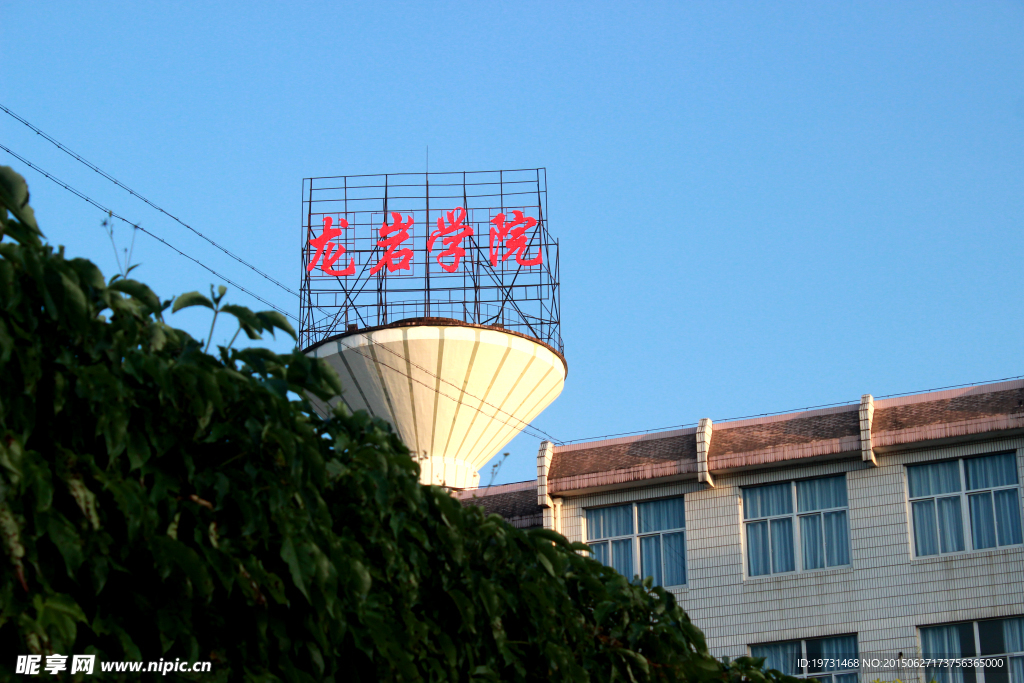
x: 455, y: 392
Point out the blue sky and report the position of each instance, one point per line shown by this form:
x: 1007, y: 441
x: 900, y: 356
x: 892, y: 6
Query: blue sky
x: 761, y: 206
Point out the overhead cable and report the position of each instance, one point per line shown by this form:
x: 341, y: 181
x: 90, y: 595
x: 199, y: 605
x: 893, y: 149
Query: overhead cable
x: 135, y: 194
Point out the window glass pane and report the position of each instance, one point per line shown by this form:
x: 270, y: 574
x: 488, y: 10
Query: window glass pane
x: 846, y: 678
x: 1016, y: 669
x: 650, y: 558
x: 951, y: 526
x: 1013, y: 635
x: 782, y: 657
x: 990, y: 635
x: 819, y: 494
x: 811, y: 542
x: 941, y: 642
x: 608, y: 522
x: 983, y: 523
x: 1007, y: 503
x: 600, y: 551
x: 935, y: 478
x: 659, y: 515
x: 674, y: 548
x: 782, y: 545
x: 758, y: 549
x: 837, y: 539
x: 993, y: 470
x: 843, y: 647
x: 622, y: 557
x: 766, y: 501
x: 926, y: 535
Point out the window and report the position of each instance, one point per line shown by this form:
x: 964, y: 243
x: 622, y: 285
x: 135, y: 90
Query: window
x: 1003, y: 638
x: 818, y: 532
x: 946, y: 513
x: 830, y: 660
x: 659, y: 548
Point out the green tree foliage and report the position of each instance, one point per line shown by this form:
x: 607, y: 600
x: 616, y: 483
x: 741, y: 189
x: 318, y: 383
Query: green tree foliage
x: 157, y: 501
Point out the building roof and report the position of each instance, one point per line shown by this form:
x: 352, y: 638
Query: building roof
x: 826, y: 433
x: 515, y: 503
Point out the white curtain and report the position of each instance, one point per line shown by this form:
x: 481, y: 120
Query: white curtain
x: 926, y: 539
x: 758, y: 549
x: 837, y: 539
x: 767, y: 501
x: 650, y: 558
x: 936, y: 478
x: 811, y: 542
x: 821, y: 494
x: 843, y: 647
x: 990, y: 471
x: 951, y: 525
x: 782, y: 545
x: 1016, y: 669
x: 674, y: 550
x: 609, y: 522
x: 659, y: 515
x: 941, y: 642
x: 622, y: 557
x: 1013, y: 635
x: 1007, y: 503
x: 983, y: 523
x: 782, y: 657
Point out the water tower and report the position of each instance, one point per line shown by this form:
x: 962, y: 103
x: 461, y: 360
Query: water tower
x: 435, y: 297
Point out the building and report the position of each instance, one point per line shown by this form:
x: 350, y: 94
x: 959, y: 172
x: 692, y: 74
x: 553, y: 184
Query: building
x: 872, y: 530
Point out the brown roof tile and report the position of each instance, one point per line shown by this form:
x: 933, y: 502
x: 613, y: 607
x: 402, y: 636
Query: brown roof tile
x: 623, y: 455
x: 726, y: 440
x: 518, y: 508
x: 966, y: 407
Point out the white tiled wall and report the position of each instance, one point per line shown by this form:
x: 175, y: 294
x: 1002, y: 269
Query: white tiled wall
x: 883, y: 597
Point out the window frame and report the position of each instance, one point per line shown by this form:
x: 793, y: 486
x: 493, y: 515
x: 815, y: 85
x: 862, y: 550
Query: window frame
x: 974, y: 674
x: 795, y: 516
x: 806, y: 673
x: 963, y: 496
x: 636, y: 535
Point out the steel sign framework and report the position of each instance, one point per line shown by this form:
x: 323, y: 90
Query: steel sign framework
x: 471, y: 246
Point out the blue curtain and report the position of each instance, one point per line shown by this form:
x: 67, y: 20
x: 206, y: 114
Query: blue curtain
x: 659, y: 515
x: 837, y: 539
x: 926, y: 537
x: 843, y: 647
x: 935, y: 478
x: 821, y: 494
x: 1007, y: 503
x: 608, y: 522
x: 951, y: 524
x: 782, y: 657
x: 990, y: 471
x: 811, y: 542
x: 983, y: 523
x: 1016, y: 669
x: 600, y: 551
x: 674, y: 549
x: 767, y: 501
x: 758, y: 549
x: 650, y: 558
x: 845, y: 678
x: 941, y: 642
x: 622, y: 557
x: 782, y: 545
x: 1013, y: 635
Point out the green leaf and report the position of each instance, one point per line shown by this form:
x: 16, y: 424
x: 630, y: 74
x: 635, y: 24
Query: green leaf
x: 191, y: 299
x: 14, y: 197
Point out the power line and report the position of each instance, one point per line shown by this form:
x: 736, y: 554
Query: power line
x: 791, y: 410
x: 135, y: 194
x: 112, y: 214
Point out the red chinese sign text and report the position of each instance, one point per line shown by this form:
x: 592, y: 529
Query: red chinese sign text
x: 324, y: 246
x: 392, y: 236
x: 514, y: 242
x: 451, y: 236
